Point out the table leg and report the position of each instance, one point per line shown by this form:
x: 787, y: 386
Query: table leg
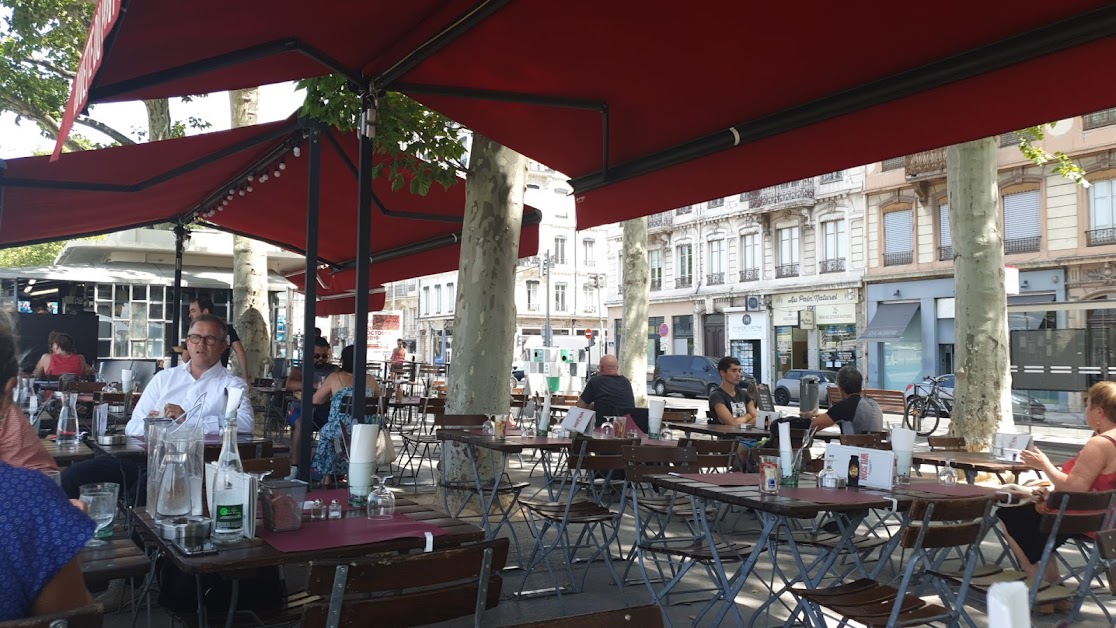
x: 203, y: 618
x: 233, y: 598
x: 730, y: 586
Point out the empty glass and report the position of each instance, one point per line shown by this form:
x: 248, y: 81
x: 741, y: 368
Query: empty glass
x: 100, y: 503
x: 608, y: 427
x: 381, y: 503
x: 528, y: 427
x: 946, y: 475
x: 666, y: 434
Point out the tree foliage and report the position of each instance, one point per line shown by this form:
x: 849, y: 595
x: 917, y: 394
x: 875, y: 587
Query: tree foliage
x: 1063, y: 165
x: 31, y: 255
x: 421, y: 145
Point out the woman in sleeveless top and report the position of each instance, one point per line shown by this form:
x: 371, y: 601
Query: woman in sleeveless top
x: 399, y: 353
x: 334, y: 389
x: 1094, y: 469
x: 61, y: 359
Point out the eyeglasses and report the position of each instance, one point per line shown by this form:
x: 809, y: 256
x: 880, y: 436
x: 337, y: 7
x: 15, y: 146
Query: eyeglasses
x: 321, y: 356
x: 196, y: 338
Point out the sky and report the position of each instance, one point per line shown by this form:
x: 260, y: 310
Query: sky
x: 23, y: 140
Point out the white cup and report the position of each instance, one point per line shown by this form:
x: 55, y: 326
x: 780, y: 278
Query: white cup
x: 1013, y: 455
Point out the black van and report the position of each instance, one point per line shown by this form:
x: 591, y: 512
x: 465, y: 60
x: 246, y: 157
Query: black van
x: 690, y: 375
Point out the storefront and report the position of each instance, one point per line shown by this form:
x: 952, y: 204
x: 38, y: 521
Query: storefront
x: 815, y: 329
x: 748, y: 334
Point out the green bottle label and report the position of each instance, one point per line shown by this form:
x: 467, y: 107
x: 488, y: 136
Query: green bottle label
x: 230, y: 517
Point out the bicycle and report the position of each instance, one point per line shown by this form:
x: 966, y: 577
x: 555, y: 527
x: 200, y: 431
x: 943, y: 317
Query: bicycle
x: 923, y: 413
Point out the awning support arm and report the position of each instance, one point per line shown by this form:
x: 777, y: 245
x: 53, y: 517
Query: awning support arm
x: 180, y: 235
x: 367, y: 134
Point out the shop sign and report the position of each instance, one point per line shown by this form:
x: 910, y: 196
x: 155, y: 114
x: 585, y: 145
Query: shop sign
x: 805, y: 319
x: 746, y: 325
x: 802, y: 300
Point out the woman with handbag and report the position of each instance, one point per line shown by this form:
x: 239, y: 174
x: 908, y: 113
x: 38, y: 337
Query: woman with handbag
x: 1094, y: 469
x: 335, y: 387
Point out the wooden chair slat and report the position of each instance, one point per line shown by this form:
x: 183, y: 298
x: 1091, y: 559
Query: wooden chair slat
x: 946, y: 443
x: 949, y: 535
x: 279, y: 467
x: 391, y: 572
x: 648, y: 616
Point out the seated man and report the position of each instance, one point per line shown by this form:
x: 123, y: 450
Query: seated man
x: 172, y: 393
x: 731, y: 404
x: 853, y: 414
x: 608, y: 391
x: 323, y: 368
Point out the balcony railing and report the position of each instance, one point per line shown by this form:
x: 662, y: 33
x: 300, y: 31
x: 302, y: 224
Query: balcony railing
x: 589, y: 309
x: 898, y: 259
x: 684, y: 282
x: 663, y: 219
x: 945, y: 253
x: 749, y: 274
x: 717, y: 202
x: 589, y: 263
x: 656, y: 284
x: 793, y: 194
x: 786, y: 270
x: 1101, y: 237
x: 926, y: 163
x: 894, y: 163
x: 1010, y: 139
x: 1023, y: 245
x: 689, y: 209
x: 715, y: 279
x: 833, y: 177
x: 1104, y: 117
x: 532, y: 307
x: 833, y: 265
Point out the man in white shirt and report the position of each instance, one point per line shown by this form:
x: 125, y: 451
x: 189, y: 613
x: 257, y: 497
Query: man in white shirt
x: 174, y: 392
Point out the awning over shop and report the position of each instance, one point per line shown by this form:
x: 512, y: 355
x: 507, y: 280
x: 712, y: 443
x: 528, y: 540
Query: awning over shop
x: 890, y: 321
x: 150, y: 274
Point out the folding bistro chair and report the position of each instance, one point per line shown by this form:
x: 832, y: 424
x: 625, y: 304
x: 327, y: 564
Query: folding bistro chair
x: 932, y: 528
x: 647, y: 616
x: 713, y: 455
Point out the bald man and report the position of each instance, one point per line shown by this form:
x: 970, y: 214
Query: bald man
x: 607, y: 392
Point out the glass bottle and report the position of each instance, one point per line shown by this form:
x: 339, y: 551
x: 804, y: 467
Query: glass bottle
x: 946, y: 475
x: 828, y: 477
x: 489, y: 427
x: 67, y: 421
x: 607, y: 429
x: 228, y: 488
x: 174, y: 498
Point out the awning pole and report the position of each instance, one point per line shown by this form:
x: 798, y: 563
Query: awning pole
x: 3, y: 171
x: 180, y: 233
x: 314, y: 166
x: 367, y: 133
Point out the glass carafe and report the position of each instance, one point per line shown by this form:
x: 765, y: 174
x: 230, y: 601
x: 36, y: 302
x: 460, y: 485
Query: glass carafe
x: 175, y: 498
x: 67, y: 421
x: 946, y: 475
x: 828, y: 477
x: 154, y: 433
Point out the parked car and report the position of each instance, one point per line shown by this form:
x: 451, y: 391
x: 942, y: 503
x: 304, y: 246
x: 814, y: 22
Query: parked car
x: 1023, y: 407
x: 786, y: 389
x: 689, y: 375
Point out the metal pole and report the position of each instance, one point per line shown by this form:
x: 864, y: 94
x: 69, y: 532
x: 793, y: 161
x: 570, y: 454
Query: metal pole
x: 548, y: 332
x: 176, y: 290
x: 314, y: 166
x: 367, y: 132
x: 600, y: 310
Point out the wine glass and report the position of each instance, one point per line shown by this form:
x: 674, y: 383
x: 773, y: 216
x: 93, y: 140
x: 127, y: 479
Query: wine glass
x: 381, y: 503
x: 608, y: 428
x: 666, y: 434
x: 946, y: 475
x: 100, y: 503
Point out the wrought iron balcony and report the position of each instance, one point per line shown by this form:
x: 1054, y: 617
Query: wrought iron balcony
x: 898, y: 259
x: 1104, y: 117
x: 793, y: 194
x: 589, y: 263
x: 749, y: 274
x: 836, y: 265
x: 662, y: 219
x: 833, y: 177
x: 1101, y: 237
x: 684, y: 282
x: 589, y: 309
x: 656, y: 284
x: 1023, y: 245
x: 945, y: 253
x: 689, y: 209
x: 532, y: 307
x: 925, y: 164
x: 717, y: 202
x: 1012, y: 138
x: 786, y: 270
x: 715, y: 279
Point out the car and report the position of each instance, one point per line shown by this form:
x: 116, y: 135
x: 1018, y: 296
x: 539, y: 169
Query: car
x: 1023, y: 406
x: 688, y: 375
x: 786, y: 389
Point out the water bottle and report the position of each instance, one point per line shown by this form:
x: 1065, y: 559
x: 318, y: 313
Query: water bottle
x: 228, y: 489
x: 67, y: 422
x: 828, y: 477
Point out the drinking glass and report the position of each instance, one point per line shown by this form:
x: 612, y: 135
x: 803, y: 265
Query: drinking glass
x: 528, y: 427
x: 946, y: 474
x: 666, y: 434
x: 100, y: 503
x: 608, y: 429
x: 381, y: 503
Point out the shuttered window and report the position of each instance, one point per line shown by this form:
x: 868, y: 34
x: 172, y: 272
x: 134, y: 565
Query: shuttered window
x: 899, y: 232
x: 788, y: 246
x: 1021, y: 215
x: 943, y: 225
x: 1101, y: 206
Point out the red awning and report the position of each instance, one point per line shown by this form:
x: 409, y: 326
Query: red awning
x: 338, y: 301
x: 117, y: 188
x: 700, y: 104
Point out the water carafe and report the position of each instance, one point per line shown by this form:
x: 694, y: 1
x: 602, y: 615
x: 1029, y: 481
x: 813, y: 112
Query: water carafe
x: 175, y: 497
x: 67, y: 421
x: 154, y: 434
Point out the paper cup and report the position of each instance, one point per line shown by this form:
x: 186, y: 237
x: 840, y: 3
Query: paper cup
x: 655, y: 409
x: 1013, y: 455
x: 360, y: 482
x: 363, y: 445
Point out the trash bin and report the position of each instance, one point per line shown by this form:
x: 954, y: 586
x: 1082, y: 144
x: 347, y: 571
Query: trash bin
x: 554, y: 383
x: 808, y: 393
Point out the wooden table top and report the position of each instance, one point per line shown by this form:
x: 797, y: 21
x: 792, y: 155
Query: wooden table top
x: 969, y: 460
x: 516, y: 444
x: 720, y: 430
x: 255, y: 552
x: 135, y: 448
x: 69, y: 455
x: 119, y: 559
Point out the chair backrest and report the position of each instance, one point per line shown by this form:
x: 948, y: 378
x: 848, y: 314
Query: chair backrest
x: 755, y: 453
x: 1077, y: 513
x: 648, y: 616
x: 643, y: 460
x: 373, y: 406
x: 248, y: 451
x: 428, y: 369
x: 717, y: 453
x: 263, y: 382
x: 564, y: 400
x: 681, y: 416
x: 946, y: 443
x: 946, y: 522
x: 279, y: 467
x: 459, y: 420
x: 407, y: 590
x: 85, y: 617
x: 598, y: 454
x: 1106, y: 542
x: 861, y: 440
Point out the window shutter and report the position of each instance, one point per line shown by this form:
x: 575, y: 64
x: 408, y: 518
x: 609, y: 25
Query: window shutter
x: 1100, y: 204
x: 899, y: 232
x: 1021, y: 215
x: 943, y: 225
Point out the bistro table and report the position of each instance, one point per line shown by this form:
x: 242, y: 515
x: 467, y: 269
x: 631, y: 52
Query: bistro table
x: 250, y: 554
x: 136, y: 449
x: 66, y: 456
x: 971, y: 462
x: 718, y: 430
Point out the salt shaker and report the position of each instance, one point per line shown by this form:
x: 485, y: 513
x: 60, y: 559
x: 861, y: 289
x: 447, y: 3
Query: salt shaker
x: 334, y: 510
x: 317, y: 510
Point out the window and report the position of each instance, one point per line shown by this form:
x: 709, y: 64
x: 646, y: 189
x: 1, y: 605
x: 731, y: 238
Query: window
x: 1102, y: 213
x: 717, y: 202
x: 894, y: 163
x: 532, y: 296
x: 1022, y: 224
x: 655, y: 266
x: 561, y: 191
x: 945, y: 238
x: 588, y: 298
x: 716, y: 262
x: 788, y: 253
x: 425, y: 300
x: 451, y: 297
x: 560, y: 250
x: 1104, y: 117
x: 587, y: 248
x: 136, y: 318
x: 898, y: 237
x: 833, y: 246
x: 438, y: 299
x: 685, y: 275
x: 750, y: 253
x: 560, y: 297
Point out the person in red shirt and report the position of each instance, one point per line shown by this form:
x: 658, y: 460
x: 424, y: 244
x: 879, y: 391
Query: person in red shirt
x: 62, y: 359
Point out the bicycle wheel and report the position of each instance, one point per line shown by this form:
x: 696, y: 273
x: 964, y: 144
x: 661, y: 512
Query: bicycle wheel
x: 922, y: 415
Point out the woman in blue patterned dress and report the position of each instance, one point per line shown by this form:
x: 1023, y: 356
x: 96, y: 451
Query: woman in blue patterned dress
x: 41, y: 532
x: 326, y: 460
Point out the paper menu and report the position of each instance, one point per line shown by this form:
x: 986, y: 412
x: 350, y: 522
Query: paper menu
x: 579, y: 420
x: 877, y: 466
x: 1003, y: 441
x: 247, y: 482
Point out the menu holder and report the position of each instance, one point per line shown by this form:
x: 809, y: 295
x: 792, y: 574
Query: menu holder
x: 765, y: 401
x: 579, y: 420
x: 877, y: 466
